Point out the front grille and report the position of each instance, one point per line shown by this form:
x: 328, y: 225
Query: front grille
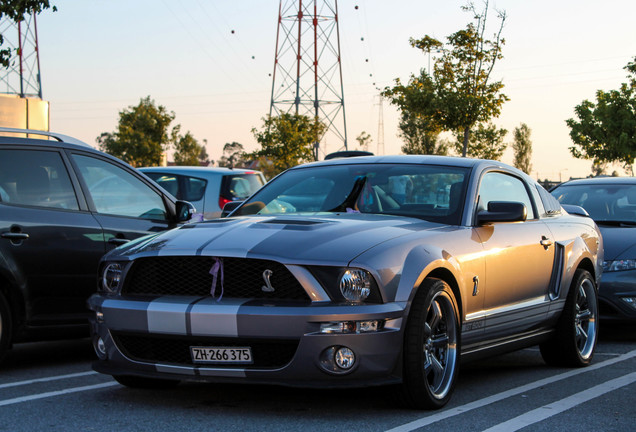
x: 175, y: 350
x: 190, y: 275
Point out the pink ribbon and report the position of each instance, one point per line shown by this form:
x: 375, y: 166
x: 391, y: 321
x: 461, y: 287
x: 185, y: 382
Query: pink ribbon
x: 214, y: 271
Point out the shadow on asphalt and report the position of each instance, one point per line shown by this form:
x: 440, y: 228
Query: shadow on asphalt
x: 48, y: 353
x: 617, y: 332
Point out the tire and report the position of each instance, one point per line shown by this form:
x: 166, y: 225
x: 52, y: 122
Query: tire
x: 5, y: 327
x: 431, y: 347
x: 577, y: 329
x: 145, y: 383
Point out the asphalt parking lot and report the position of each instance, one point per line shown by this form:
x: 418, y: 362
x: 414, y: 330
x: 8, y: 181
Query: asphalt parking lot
x: 50, y: 386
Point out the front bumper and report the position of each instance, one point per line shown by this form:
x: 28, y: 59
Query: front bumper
x: 614, y: 288
x: 151, y: 337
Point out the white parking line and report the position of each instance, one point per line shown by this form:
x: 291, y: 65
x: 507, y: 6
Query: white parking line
x: 506, y: 394
x: 55, y: 393
x: 557, y: 407
x: 46, y: 379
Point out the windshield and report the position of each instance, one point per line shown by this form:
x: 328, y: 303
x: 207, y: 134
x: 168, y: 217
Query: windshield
x: 429, y: 192
x: 604, y: 202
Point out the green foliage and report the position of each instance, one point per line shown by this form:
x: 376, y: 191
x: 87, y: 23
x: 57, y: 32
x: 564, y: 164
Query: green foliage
x: 605, y: 131
x: 142, y: 134
x: 420, y: 135
x: 487, y: 142
x: 187, y: 150
x: 288, y: 139
x: 203, y: 154
x: 522, y: 146
x: 364, y: 139
x: 233, y: 155
x: 459, y: 92
x: 15, y: 10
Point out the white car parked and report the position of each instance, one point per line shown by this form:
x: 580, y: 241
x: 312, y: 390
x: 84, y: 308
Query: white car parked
x: 209, y: 189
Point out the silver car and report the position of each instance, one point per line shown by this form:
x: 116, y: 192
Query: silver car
x: 207, y: 188
x: 356, y: 272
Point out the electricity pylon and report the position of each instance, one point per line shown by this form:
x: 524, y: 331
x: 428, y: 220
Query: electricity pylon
x: 307, y: 76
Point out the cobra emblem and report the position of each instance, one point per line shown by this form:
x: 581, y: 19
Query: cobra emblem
x: 268, y: 284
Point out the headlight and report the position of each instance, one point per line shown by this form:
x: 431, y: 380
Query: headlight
x: 355, y: 285
x: 111, y: 277
x: 619, y: 265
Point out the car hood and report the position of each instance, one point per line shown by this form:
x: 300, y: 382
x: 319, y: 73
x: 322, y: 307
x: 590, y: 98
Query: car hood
x: 328, y: 240
x: 619, y: 242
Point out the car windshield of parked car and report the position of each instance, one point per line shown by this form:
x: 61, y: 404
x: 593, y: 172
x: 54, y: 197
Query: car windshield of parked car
x: 430, y: 192
x: 604, y: 202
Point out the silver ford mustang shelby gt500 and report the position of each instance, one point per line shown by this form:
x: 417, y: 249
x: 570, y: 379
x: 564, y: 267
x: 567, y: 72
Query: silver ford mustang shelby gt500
x: 356, y: 272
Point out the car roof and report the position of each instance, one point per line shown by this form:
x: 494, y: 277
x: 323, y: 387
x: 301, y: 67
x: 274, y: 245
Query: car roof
x: 599, y: 181
x: 416, y: 159
x: 58, y: 141
x: 189, y: 170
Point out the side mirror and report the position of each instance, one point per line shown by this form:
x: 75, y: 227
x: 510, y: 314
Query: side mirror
x: 503, y: 211
x: 230, y: 207
x: 185, y: 210
x: 576, y: 210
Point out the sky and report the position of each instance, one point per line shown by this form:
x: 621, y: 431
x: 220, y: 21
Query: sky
x: 210, y: 62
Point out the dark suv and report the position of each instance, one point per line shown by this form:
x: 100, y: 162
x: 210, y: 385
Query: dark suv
x: 63, y: 205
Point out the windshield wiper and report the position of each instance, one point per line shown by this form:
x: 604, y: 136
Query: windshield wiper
x: 350, y: 200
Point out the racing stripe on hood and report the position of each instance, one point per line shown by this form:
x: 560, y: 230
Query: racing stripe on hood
x: 239, y: 242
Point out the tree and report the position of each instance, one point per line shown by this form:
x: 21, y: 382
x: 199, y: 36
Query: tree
x: 420, y: 135
x: 187, y: 150
x: 142, y: 135
x: 606, y: 130
x: 364, y: 139
x: 233, y: 155
x: 288, y: 139
x: 522, y: 146
x: 487, y: 142
x: 203, y: 154
x: 15, y: 10
x: 459, y: 93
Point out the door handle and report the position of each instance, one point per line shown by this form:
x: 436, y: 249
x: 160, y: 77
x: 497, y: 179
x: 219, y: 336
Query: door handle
x: 546, y: 242
x: 15, y: 236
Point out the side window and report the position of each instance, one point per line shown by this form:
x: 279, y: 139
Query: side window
x: 194, y: 188
x: 35, y: 178
x: 496, y: 186
x: 117, y: 192
x: 167, y: 181
x: 550, y: 203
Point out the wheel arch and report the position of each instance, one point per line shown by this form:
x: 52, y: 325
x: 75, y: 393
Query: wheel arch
x: 447, y: 276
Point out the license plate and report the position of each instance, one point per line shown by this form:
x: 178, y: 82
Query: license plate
x: 216, y: 355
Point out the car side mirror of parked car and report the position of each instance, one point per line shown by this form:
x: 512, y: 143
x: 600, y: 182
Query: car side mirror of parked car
x: 185, y: 211
x: 503, y: 211
x: 229, y: 208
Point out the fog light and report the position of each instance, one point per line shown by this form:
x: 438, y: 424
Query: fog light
x: 99, y: 317
x: 100, y: 347
x: 337, y: 360
x: 345, y: 358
